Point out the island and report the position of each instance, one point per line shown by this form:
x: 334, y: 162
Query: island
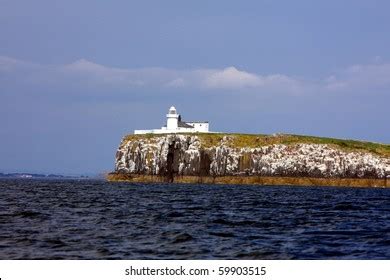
x: 278, y: 159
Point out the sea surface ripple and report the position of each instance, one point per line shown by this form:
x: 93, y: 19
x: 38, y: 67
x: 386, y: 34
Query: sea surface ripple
x: 88, y: 219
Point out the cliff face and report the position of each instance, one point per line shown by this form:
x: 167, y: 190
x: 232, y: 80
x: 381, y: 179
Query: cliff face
x: 192, y: 155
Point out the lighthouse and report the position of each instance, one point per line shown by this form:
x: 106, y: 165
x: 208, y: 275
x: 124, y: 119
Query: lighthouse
x: 172, y: 119
x: 176, y: 125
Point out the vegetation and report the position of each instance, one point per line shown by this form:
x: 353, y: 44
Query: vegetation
x: 259, y: 140
x: 252, y: 180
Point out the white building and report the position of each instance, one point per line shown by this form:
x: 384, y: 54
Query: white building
x: 176, y: 125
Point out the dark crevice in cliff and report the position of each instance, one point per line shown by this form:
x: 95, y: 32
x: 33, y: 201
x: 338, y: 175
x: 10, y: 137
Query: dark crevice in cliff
x: 205, y: 162
x: 170, y: 160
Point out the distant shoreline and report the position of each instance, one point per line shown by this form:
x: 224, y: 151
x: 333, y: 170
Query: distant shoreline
x: 252, y: 180
x: 19, y: 175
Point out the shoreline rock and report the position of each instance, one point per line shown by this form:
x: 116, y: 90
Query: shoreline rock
x: 251, y: 180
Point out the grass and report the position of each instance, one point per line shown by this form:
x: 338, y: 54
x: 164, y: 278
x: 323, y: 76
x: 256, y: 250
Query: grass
x: 258, y: 140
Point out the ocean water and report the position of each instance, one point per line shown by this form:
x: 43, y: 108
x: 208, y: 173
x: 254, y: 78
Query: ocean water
x: 70, y: 219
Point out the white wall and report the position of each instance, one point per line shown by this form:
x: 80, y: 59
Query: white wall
x: 200, y: 126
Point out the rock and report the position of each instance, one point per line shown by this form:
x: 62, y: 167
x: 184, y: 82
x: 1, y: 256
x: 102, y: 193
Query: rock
x: 187, y: 155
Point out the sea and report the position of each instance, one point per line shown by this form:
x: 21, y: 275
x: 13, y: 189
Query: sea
x: 95, y: 219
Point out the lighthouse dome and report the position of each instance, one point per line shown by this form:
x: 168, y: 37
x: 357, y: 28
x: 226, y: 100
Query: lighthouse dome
x: 172, y: 110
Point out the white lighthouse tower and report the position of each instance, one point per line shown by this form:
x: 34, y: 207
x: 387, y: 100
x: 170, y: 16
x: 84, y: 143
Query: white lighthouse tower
x: 172, y: 119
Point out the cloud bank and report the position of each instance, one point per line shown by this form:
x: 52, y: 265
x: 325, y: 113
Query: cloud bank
x: 83, y: 73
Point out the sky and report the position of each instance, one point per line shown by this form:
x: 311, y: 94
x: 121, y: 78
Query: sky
x: 76, y: 76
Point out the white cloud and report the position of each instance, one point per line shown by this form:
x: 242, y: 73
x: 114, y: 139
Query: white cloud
x: 357, y: 77
x: 96, y: 73
x: 231, y: 78
x: 9, y: 64
x: 179, y: 82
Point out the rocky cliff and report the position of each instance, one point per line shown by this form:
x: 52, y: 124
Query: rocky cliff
x: 215, y: 155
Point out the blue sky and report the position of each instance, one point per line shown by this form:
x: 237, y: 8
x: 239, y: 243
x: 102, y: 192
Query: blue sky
x: 76, y: 76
